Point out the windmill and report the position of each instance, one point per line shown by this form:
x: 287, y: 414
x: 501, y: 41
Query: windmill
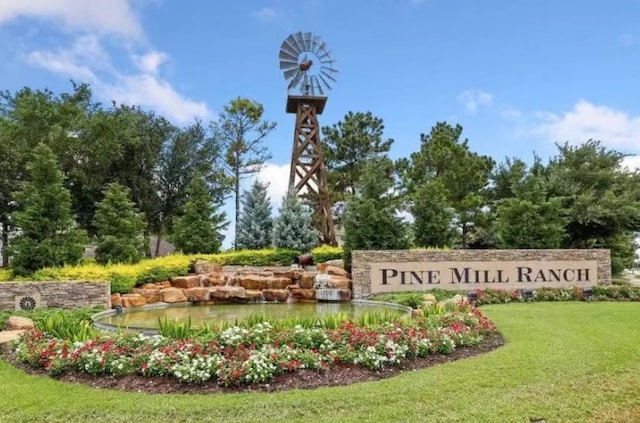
x: 307, y: 66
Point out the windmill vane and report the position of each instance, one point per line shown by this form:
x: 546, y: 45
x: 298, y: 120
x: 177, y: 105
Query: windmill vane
x: 307, y: 64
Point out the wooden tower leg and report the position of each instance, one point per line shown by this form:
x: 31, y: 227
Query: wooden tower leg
x: 308, y: 175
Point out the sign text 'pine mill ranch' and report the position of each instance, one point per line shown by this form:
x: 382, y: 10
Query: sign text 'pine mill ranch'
x: 482, y: 274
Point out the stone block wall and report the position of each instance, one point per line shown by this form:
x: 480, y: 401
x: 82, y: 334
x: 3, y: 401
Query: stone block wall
x: 362, y: 261
x: 68, y: 294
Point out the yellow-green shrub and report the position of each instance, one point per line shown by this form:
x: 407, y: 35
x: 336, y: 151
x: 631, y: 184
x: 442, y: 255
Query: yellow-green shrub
x: 124, y: 277
x: 6, y: 275
x: 326, y: 253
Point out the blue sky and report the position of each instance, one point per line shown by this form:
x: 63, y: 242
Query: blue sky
x: 517, y: 75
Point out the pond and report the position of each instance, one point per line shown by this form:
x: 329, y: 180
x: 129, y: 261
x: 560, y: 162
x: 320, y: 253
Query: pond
x: 147, y: 317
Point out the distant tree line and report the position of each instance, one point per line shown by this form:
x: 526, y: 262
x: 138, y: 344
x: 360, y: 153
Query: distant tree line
x: 581, y: 198
x: 74, y: 170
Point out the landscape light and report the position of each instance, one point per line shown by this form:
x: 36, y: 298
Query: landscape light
x: 472, y: 296
x: 527, y: 294
x: 587, y: 293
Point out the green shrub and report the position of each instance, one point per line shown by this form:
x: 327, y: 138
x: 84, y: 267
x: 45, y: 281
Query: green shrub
x: 64, y: 325
x: 325, y: 253
x: 124, y: 277
x: 6, y: 275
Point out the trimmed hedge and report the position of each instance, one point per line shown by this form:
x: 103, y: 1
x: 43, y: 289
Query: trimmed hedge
x: 5, y: 275
x: 124, y: 277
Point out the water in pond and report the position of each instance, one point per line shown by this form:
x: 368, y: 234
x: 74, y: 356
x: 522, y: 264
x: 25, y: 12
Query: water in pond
x: 231, y: 313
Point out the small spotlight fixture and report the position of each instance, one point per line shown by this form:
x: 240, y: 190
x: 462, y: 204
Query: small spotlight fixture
x: 472, y: 296
x: 527, y: 294
x: 587, y: 293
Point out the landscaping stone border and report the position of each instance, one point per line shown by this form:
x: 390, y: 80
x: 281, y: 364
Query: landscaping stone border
x: 362, y: 263
x: 67, y: 294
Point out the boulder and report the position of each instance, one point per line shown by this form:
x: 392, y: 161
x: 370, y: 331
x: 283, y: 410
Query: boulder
x: 213, y: 279
x: 163, y: 284
x: 116, y: 300
x: 293, y: 274
x: 339, y: 282
x: 202, y: 266
x: 150, y: 286
x: 173, y: 295
x: 306, y: 280
x: 300, y: 294
x: 227, y: 292
x: 191, y: 281
x: 197, y: 294
x: 133, y: 300
x: 280, y: 295
x: 337, y: 271
x: 253, y: 294
x: 321, y: 280
x: 251, y: 281
x: 19, y: 323
x: 150, y: 295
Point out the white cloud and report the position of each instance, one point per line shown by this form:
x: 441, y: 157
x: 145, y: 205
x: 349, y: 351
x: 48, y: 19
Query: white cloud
x: 631, y: 163
x: 277, y: 176
x: 149, y: 90
x: 150, y: 62
x: 612, y: 127
x: 474, y: 99
x: 88, y: 62
x: 266, y: 14
x: 105, y: 17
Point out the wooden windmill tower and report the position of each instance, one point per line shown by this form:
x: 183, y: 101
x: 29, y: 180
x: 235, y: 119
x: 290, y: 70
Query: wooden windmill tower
x: 307, y: 64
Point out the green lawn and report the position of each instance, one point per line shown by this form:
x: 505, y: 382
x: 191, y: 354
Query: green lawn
x: 564, y: 362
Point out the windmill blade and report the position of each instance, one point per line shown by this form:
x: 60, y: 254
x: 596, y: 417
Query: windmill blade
x: 285, y: 65
x: 296, y: 80
x: 329, y: 70
x: 328, y: 76
x: 288, y: 52
x: 291, y: 72
x: 306, y: 38
x: 317, y: 82
x: 291, y: 42
x: 297, y: 37
x: 321, y: 48
x: 324, y: 81
x: 325, y: 54
x: 316, y: 44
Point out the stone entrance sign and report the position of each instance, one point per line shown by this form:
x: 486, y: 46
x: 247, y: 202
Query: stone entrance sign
x: 461, y: 270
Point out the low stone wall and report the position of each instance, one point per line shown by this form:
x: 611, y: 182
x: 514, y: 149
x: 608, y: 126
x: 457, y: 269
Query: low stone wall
x: 398, y: 270
x: 68, y: 294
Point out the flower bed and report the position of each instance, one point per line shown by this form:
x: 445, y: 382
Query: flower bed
x: 239, y: 355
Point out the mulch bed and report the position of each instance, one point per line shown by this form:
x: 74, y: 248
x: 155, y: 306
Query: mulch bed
x: 302, y: 379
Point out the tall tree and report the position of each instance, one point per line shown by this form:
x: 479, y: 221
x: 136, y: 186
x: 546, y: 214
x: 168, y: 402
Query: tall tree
x: 241, y: 130
x: 198, y: 228
x: 433, y: 217
x: 119, y: 228
x: 294, y: 228
x: 27, y: 118
x: 463, y: 175
x: 530, y: 219
x: 255, y: 229
x: 349, y: 145
x: 186, y: 153
x: 371, y: 220
x: 600, y: 198
x: 48, y: 234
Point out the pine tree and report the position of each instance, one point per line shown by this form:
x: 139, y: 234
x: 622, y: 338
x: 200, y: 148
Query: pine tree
x: 119, y: 227
x: 294, y: 226
x: 198, y: 229
x: 371, y: 221
x: 255, y: 228
x: 48, y: 233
